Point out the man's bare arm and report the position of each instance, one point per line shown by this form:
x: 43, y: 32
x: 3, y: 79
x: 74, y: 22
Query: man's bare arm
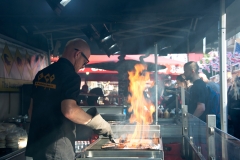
x: 30, y: 109
x: 73, y: 112
x: 199, y: 110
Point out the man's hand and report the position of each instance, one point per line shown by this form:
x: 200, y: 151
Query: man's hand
x: 98, y: 124
x: 199, y: 110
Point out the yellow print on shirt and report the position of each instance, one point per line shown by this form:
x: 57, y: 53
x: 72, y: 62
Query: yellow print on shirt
x: 48, y: 81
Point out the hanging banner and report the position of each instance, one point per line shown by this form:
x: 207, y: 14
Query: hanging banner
x: 11, y: 85
x: 211, y: 62
x: 19, y: 60
x: 7, y: 59
x: 18, y: 65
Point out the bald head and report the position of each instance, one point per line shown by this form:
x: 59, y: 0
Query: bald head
x: 192, y: 65
x: 77, y: 52
x: 191, y: 71
x: 77, y: 43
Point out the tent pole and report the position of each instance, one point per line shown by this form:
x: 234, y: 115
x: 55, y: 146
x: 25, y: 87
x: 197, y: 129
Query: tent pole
x: 223, y: 75
x: 156, y: 82
x: 223, y: 66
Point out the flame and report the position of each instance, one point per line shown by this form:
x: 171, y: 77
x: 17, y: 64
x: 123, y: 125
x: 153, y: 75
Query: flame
x: 142, y: 109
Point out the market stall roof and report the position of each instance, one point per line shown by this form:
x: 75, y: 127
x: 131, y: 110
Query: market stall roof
x: 173, y: 67
x: 114, y: 58
x: 135, y: 25
x: 161, y: 60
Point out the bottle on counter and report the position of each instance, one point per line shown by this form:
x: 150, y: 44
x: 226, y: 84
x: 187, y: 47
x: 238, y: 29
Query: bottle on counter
x: 81, y: 145
x: 172, y: 112
x: 160, y: 111
x: 166, y: 114
x: 77, y: 146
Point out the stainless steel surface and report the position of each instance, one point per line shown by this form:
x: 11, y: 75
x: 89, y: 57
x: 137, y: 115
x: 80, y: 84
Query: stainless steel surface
x: 111, y: 109
x: 94, y: 150
x: 211, y: 123
x: 185, y: 120
x: 185, y: 132
x: 113, y: 117
x: 153, y: 131
x: 171, y: 130
x: 223, y: 65
x: 156, y: 83
x: 166, y: 121
x: 223, y: 73
x: 176, y: 109
x: 120, y: 130
x: 191, y: 152
x: 15, y: 155
x: 183, y: 95
x: 118, y: 158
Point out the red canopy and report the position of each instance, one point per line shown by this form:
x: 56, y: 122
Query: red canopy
x: 173, y: 67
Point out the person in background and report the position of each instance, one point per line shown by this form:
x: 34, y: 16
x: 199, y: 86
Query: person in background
x: 53, y: 109
x: 168, y: 83
x: 113, y: 96
x: 84, y: 88
x: 82, y: 99
x: 211, y: 84
x: 93, y: 100
x: 171, y: 96
x: 198, y: 91
x: 234, y: 107
x: 182, y: 82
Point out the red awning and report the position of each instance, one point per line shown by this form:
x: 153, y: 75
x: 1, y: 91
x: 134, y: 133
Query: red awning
x: 173, y: 67
x: 195, y: 56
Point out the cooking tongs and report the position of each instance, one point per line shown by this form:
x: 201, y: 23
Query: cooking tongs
x: 111, y: 139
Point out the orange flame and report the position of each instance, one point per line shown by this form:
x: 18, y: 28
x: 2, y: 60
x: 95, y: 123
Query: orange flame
x: 142, y: 109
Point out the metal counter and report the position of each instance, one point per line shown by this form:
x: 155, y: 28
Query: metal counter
x: 108, y: 109
x: 17, y: 154
x: 198, y: 140
x: 95, y: 151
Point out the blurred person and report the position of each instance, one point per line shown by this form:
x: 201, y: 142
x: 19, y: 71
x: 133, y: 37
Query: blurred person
x: 211, y: 84
x: 198, y: 91
x: 167, y: 83
x: 182, y: 82
x: 173, y: 94
x: 93, y: 100
x: 113, y: 96
x: 84, y: 88
x: 229, y: 79
x: 234, y: 107
x: 203, y: 99
x: 82, y: 99
x: 53, y: 109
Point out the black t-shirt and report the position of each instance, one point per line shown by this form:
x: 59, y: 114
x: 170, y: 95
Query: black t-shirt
x: 50, y: 131
x: 198, y: 94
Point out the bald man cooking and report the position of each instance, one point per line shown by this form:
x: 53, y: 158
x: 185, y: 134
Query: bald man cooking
x: 53, y: 109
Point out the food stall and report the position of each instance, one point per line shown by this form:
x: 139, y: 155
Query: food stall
x: 179, y: 136
x: 182, y: 136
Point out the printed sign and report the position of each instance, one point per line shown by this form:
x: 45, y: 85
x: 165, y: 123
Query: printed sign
x: 18, y: 66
